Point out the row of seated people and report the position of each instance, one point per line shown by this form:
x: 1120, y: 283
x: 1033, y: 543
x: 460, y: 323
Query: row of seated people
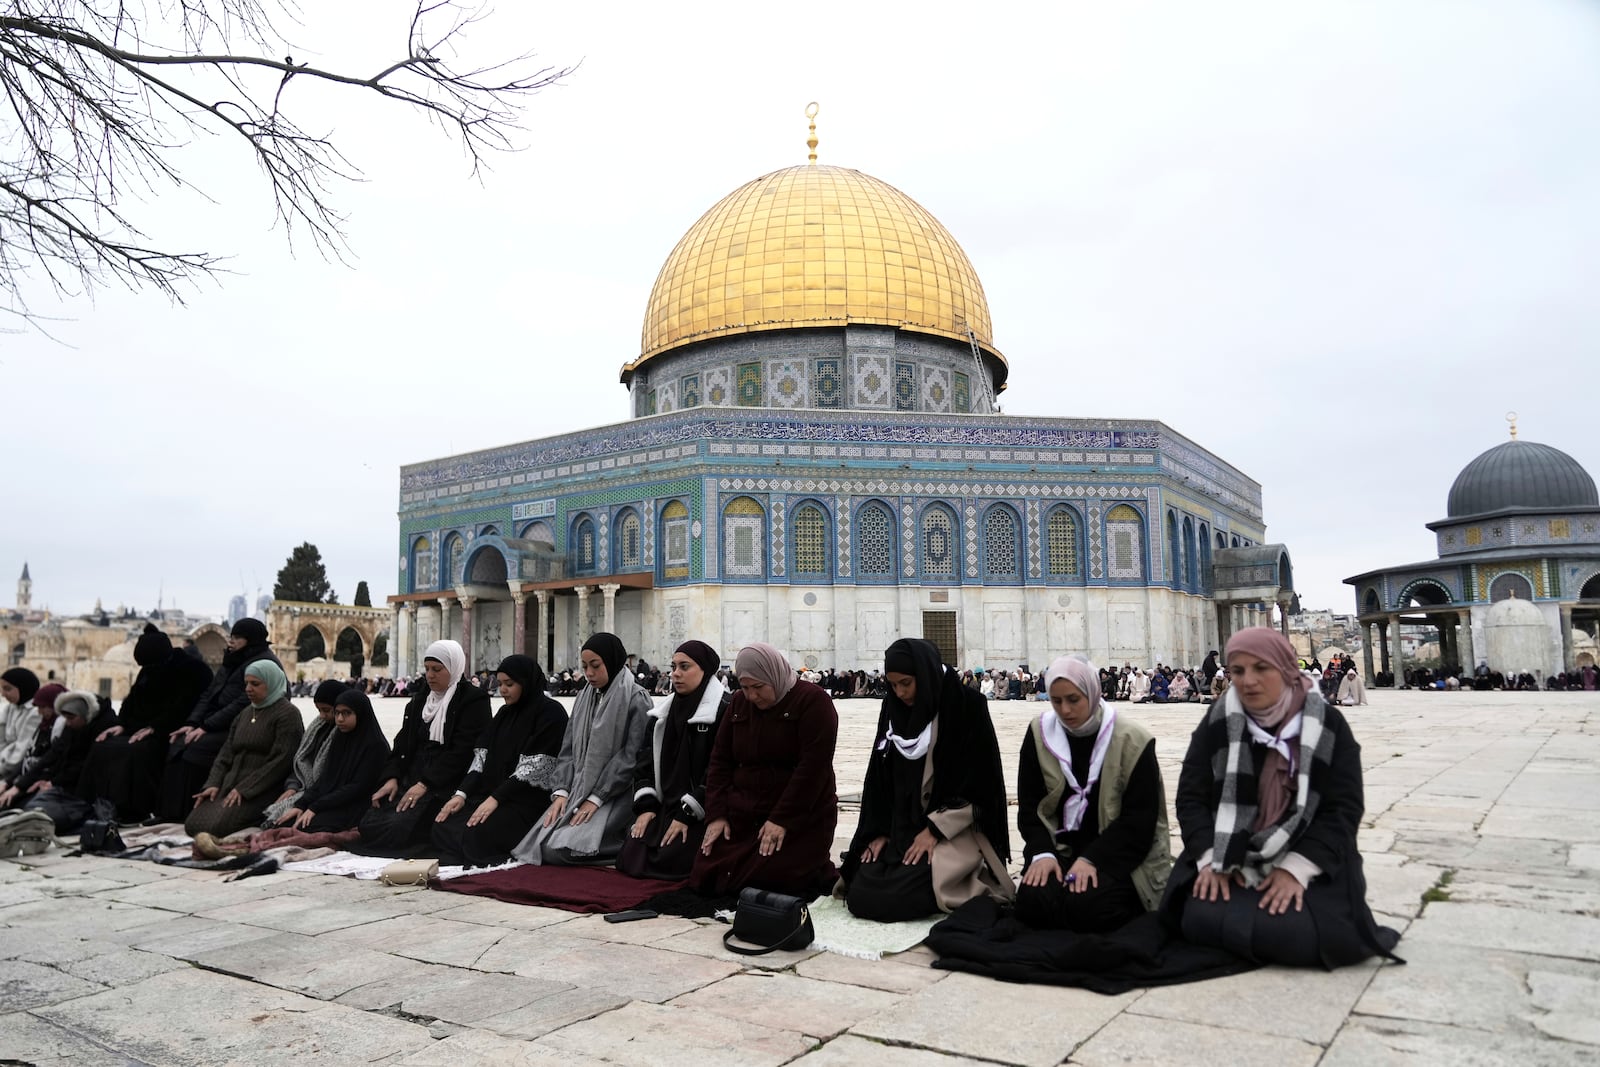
x: 737, y: 789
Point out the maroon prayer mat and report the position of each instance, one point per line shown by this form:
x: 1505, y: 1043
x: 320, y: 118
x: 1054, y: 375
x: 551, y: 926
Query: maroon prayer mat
x: 583, y: 889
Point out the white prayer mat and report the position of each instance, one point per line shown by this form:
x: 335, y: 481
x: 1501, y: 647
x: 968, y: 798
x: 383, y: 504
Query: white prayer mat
x: 840, y: 932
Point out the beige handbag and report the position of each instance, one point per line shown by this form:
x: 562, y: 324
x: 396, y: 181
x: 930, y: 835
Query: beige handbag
x: 409, y: 872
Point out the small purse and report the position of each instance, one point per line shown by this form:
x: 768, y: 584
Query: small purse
x: 100, y: 836
x: 409, y: 872
x: 772, y: 921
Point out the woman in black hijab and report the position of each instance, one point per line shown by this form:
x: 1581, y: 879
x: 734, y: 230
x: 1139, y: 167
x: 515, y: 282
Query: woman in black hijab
x: 669, y: 781
x: 342, y: 791
x: 507, y: 786
x: 932, y: 833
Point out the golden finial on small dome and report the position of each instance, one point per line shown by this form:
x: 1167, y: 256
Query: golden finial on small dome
x: 1511, y: 417
x: 811, y: 142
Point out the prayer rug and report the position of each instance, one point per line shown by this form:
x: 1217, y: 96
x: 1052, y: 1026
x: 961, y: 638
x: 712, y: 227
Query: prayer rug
x: 581, y: 889
x: 840, y: 932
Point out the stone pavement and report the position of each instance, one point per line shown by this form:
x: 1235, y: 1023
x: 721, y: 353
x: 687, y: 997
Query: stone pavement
x: 1487, y: 805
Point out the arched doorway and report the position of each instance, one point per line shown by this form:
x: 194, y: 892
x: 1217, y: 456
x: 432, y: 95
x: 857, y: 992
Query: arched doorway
x: 349, y: 648
x: 309, y: 644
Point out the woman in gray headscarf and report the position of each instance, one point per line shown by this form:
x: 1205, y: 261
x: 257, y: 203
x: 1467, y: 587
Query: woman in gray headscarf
x: 771, y: 804
x: 591, y: 805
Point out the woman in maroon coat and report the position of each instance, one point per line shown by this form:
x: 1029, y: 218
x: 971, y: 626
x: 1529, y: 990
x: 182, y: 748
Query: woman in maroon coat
x: 771, y: 806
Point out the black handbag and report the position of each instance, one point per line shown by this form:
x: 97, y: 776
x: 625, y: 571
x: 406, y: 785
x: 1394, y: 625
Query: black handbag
x: 771, y: 921
x: 100, y: 836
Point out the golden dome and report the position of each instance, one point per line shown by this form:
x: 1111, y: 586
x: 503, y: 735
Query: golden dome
x: 814, y: 246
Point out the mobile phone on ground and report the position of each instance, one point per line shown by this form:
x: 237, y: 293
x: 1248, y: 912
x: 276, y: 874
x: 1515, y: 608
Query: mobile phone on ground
x: 630, y: 916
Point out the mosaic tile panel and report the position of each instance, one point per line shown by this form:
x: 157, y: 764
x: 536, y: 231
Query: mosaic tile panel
x: 827, y: 382
x: 666, y: 398
x: 749, y: 385
x: 689, y: 391
x: 938, y: 543
x: 650, y: 533
x: 1530, y: 570
x: 841, y: 508
x: 810, y: 542
x: 1125, y: 534
x: 708, y: 545
x: 908, y: 545
x: 971, y: 531
x: 1034, y: 563
x: 1061, y: 534
x: 936, y: 389
x: 870, y: 381
x: 905, y: 386
x: 778, y: 539
x: 675, y: 533
x: 1097, y: 564
x: 743, y: 526
x: 719, y: 386
x: 604, y: 536
x: 788, y: 384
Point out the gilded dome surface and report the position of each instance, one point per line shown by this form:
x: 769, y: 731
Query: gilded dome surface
x: 813, y: 246
x: 1521, y: 474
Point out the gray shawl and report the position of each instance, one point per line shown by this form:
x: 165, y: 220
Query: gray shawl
x: 604, y: 737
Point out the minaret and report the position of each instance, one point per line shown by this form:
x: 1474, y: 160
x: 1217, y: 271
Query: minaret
x: 24, y: 590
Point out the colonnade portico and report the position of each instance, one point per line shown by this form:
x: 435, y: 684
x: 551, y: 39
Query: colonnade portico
x: 419, y: 620
x: 1454, y: 625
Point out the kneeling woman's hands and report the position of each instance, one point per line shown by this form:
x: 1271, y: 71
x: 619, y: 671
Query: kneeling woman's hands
x: 1280, y: 890
x: 1211, y: 885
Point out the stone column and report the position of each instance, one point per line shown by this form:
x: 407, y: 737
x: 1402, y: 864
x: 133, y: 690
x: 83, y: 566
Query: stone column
x: 542, y: 629
x: 583, y: 592
x: 609, y: 590
x: 1566, y: 637
x: 466, y: 603
x: 1283, y: 622
x: 1383, y: 646
x: 1366, y: 651
x: 408, y: 647
x: 1469, y: 661
x: 1398, y: 655
x: 519, y: 623
x: 444, y: 621
x: 1446, y: 626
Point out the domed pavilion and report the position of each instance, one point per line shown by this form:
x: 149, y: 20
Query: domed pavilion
x: 1517, y: 581
x: 815, y: 458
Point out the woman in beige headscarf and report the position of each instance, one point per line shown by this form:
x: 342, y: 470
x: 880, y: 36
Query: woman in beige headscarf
x: 771, y: 804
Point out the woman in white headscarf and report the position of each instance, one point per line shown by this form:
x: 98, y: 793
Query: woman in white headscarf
x: 1091, y: 809
x: 1352, y: 691
x: 430, y: 755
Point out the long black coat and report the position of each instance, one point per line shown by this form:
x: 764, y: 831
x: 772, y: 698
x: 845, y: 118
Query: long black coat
x: 414, y: 758
x: 224, y: 698
x: 165, y: 693
x: 1346, y: 930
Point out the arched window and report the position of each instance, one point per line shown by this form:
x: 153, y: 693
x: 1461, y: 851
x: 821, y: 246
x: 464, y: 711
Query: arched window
x: 1205, y: 558
x: 490, y: 530
x: 539, y: 533
x: 1124, y: 543
x: 940, y: 551
x: 629, y: 542
x: 1510, y: 585
x: 1061, y: 543
x: 422, y: 576
x: 743, y: 531
x: 1174, y: 568
x: 454, y: 549
x: 874, y: 541
x: 1001, y: 560
x: 675, y: 542
x: 583, y: 560
x: 1191, y: 569
x: 809, y: 541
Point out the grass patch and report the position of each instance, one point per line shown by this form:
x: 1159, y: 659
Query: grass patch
x: 1440, y: 890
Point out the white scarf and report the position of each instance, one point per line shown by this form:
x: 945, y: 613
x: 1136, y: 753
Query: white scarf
x: 454, y: 659
x: 1280, y: 743
x: 1055, y: 739
x: 909, y: 747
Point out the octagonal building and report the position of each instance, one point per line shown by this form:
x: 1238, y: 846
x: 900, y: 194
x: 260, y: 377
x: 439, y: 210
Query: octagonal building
x: 815, y: 459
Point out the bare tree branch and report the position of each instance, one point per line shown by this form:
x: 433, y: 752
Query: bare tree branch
x: 91, y: 113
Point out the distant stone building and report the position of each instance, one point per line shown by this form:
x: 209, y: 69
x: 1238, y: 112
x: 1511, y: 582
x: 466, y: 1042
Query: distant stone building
x: 1517, y: 581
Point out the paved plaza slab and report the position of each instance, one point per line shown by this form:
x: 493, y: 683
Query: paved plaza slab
x: 1482, y: 843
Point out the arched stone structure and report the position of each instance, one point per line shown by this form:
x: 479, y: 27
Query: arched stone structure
x: 286, y: 618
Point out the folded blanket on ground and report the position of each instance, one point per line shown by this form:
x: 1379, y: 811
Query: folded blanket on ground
x: 982, y: 938
x: 581, y: 889
x: 864, y: 939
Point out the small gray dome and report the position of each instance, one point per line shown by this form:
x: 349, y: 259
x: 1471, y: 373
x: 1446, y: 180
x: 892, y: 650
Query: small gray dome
x: 1521, y: 474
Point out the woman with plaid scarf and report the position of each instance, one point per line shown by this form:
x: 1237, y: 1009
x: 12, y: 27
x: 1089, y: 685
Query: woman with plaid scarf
x: 1269, y: 801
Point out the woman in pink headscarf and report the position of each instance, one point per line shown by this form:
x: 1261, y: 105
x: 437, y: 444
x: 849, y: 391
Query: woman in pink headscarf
x: 1091, y: 810
x: 1269, y: 802
x: 771, y: 804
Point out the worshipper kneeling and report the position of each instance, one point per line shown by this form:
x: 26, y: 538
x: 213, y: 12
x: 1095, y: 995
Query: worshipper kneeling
x: 669, y: 781
x: 430, y: 756
x: 254, y: 759
x: 341, y: 792
x: 312, y: 755
x: 19, y: 721
x: 1091, y: 809
x: 55, y: 779
x: 589, y: 813
x: 1269, y: 802
x: 932, y: 833
x: 771, y: 804
x: 507, y: 787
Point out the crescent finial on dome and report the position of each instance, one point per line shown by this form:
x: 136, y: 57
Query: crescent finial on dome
x: 1511, y: 417
x: 811, y: 142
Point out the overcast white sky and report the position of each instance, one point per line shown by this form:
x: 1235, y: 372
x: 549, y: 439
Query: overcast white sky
x: 1332, y: 242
